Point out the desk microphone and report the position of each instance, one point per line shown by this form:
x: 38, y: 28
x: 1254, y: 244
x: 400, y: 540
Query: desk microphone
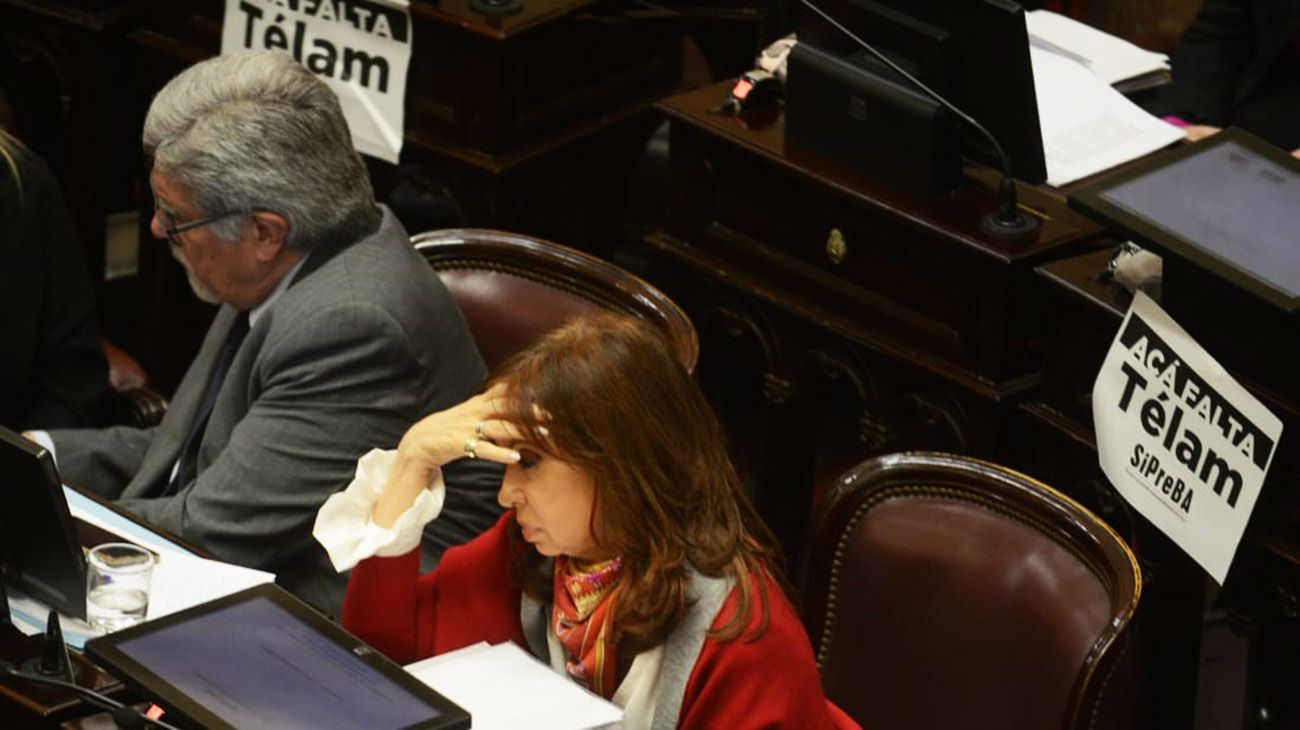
x: 1007, y: 220
x: 126, y: 717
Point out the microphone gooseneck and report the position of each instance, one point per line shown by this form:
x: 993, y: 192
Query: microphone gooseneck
x: 1005, y: 220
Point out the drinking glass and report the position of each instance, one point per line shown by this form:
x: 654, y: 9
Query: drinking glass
x: 117, y: 585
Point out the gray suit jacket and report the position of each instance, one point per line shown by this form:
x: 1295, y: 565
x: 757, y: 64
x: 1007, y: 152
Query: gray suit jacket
x: 365, y: 341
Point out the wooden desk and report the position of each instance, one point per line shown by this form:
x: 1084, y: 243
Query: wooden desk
x: 840, y: 319
x: 1262, y: 591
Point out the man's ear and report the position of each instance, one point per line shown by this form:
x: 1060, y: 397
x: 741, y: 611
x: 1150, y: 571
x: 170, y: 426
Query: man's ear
x: 272, y: 231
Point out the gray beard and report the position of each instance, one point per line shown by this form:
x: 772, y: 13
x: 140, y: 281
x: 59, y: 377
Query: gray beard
x: 202, y: 292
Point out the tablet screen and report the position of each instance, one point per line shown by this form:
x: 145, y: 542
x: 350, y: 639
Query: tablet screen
x: 1230, y: 201
x: 1226, y: 206
x: 254, y: 663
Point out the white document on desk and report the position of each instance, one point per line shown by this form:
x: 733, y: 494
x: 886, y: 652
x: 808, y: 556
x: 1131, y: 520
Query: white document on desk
x: 1087, y: 126
x: 180, y: 578
x: 504, y: 687
x: 1110, y: 58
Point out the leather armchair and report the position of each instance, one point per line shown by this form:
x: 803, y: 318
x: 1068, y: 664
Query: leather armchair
x: 513, y: 288
x: 131, y: 401
x: 947, y: 592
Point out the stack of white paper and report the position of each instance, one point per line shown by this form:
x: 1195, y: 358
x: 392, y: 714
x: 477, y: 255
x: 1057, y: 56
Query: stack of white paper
x: 504, y: 687
x: 1088, y: 126
x: 1109, y: 58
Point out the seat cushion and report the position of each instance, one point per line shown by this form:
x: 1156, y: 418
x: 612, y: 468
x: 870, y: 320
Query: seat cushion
x: 952, y: 615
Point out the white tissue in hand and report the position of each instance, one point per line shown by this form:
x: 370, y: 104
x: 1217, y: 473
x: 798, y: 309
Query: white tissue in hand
x: 343, y: 525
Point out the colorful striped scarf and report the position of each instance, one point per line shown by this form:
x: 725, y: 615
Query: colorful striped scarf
x: 583, y: 609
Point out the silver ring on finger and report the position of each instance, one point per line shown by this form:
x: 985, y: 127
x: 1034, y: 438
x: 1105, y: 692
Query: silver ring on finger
x: 471, y: 444
x: 478, y: 429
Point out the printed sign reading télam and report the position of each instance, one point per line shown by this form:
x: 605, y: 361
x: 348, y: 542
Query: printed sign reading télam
x: 361, y: 48
x: 1182, y: 441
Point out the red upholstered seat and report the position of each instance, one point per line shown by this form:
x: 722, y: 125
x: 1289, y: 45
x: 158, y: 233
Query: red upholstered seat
x: 513, y: 288
x: 946, y: 592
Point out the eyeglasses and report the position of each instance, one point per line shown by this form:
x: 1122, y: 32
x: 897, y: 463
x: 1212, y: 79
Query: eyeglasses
x: 173, y: 231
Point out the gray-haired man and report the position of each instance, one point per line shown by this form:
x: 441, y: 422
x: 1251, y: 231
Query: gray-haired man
x: 333, y: 335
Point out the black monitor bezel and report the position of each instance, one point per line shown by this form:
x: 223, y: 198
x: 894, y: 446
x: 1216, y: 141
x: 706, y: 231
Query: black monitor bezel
x: 1091, y: 201
x: 44, y: 510
x: 107, y: 652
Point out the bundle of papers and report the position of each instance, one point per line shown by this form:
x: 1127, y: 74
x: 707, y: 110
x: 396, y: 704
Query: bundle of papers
x: 1088, y: 126
x: 1109, y: 58
x: 504, y: 687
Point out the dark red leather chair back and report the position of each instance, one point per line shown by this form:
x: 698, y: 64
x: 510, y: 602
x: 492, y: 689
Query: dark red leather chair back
x: 946, y: 592
x: 514, y: 288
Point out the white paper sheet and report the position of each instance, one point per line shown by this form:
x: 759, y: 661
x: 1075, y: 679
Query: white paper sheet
x: 1184, y: 443
x: 502, y: 686
x: 1087, y: 126
x: 362, y: 51
x: 1110, y: 58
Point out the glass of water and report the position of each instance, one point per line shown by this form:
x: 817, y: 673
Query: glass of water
x: 117, y: 585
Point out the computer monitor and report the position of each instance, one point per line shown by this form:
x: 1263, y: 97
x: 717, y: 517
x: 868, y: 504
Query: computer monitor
x: 40, y: 552
x: 975, y: 53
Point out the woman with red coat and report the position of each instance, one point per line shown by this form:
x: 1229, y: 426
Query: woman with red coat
x: 629, y: 557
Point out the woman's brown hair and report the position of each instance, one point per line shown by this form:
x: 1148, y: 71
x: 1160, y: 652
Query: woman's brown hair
x: 619, y: 406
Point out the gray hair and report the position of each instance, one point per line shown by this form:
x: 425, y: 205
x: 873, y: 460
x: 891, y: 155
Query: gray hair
x: 257, y: 131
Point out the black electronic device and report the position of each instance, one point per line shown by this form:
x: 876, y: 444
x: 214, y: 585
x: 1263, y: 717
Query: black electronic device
x: 262, y: 658
x: 754, y: 89
x: 972, y: 53
x: 1227, y: 203
x: 496, y: 8
x: 40, y: 552
x: 885, y: 129
x: 1224, y: 213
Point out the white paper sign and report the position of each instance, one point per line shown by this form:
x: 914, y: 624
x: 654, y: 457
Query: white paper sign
x: 361, y: 48
x: 1182, y: 441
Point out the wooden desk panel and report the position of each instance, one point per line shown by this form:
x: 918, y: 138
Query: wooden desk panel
x: 901, y: 274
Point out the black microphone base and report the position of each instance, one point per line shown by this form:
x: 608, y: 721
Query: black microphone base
x: 1019, y: 226
x: 33, y: 666
x: 496, y: 7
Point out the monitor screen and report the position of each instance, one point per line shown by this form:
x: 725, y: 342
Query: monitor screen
x: 261, y: 658
x: 40, y: 553
x: 1228, y: 204
x: 973, y: 52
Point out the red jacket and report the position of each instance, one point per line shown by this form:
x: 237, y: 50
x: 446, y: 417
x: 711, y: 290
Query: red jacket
x: 770, y: 682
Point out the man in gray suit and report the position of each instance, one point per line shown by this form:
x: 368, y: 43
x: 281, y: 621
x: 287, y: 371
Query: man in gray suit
x: 333, y: 334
